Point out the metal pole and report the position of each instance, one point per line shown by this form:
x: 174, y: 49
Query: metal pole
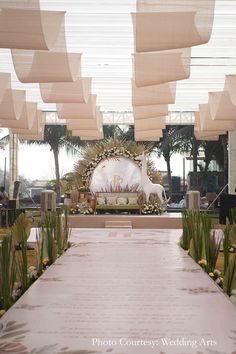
x: 5, y: 171
x: 222, y: 190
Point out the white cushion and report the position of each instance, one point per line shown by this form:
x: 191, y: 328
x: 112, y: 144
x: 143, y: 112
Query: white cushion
x: 121, y: 201
x: 132, y: 200
x: 111, y: 200
x: 101, y: 200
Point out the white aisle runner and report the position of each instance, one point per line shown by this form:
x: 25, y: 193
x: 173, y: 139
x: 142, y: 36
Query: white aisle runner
x: 122, y: 292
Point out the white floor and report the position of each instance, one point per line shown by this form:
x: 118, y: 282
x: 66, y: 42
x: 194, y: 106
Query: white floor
x: 122, y: 292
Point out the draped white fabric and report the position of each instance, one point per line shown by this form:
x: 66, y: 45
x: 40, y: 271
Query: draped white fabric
x: 230, y: 87
x: 78, y: 110
x: 12, y: 104
x: 153, y: 95
x: 26, y: 119
x: 155, y: 68
x: 205, y: 134
x: 167, y: 24
x: 221, y: 107
x: 37, y: 127
x: 207, y: 123
x: 67, y: 92
x: 86, y: 124
x: 29, y: 29
x: 150, y: 123
x: 46, y: 66
x: 150, y: 111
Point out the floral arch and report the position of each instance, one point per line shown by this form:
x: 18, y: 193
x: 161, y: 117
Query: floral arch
x: 93, y: 155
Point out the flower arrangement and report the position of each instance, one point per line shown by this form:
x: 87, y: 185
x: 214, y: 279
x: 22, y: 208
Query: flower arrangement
x: 81, y: 208
x: 152, y: 209
x: 232, y: 249
x: 216, y: 275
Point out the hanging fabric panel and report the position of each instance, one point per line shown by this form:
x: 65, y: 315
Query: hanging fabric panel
x: 167, y: 24
x: 149, y: 111
x: 148, y: 135
x: 153, y: 95
x: 44, y: 66
x: 78, y: 110
x: 38, y: 137
x: 37, y: 126
x: 5, y: 83
x: 150, y: 123
x: 85, y: 124
x: 66, y: 92
x: 207, y: 123
x: 155, y: 68
x: 12, y: 104
x: 29, y: 29
x: 26, y: 119
x: 230, y: 87
x: 221, y: 107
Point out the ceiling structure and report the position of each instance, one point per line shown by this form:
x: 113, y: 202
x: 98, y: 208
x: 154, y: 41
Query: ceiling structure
x: 102, y: 31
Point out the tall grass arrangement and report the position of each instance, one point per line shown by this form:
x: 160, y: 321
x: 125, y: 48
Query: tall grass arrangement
x: 232, y: 215
x: 226, y: 245
x: 199, y: 239
x: 187, y: 230
x: 7, y: 271
x: 39, y: 251
x: 212, y: 242
x: 230, y: 276
x: 48, y: 233
x: 66, y: 228
x: 196, y: 249
x: 20, y: 232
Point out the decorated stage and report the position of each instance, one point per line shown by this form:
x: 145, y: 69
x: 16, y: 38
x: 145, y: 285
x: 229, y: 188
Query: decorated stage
x: 164, y: 221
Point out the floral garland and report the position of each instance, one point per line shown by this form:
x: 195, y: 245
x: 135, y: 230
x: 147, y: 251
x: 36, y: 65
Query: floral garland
x: 106, y: 154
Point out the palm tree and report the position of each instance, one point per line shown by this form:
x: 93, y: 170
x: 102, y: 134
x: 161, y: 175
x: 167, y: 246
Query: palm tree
x: 176, y: 139
x: 58, y: 137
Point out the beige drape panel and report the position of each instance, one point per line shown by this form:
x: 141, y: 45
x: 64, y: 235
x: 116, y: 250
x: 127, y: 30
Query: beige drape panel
x: 205, y: 134
x: 45, y: 66
x: 155, y: 68
x: 29, y: 29
x: 167, y: 24
x: 86, y: 124
x: 55, y: 65
x: 230, y: 87
x: 98, y: 136
x: 150, y: 123
x: 12, y: 104
x: 207, y: 123
x: 66, y: 92
x: 38, y: 137
x: 155, y: 31
x: 78, y: 110
x: 148, y: 135
x: 37, y: 126
x: 200, y: 136
x: 5, y: 83
x: 149, y: 111
x: 87, y: 129
x: 27, y: 117
x: 153, y: 95
x: 221, y: 107
x: 88, y: 134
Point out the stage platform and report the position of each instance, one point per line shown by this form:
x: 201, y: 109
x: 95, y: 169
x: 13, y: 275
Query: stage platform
x: 164, y: 221
x: 122, y: 292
